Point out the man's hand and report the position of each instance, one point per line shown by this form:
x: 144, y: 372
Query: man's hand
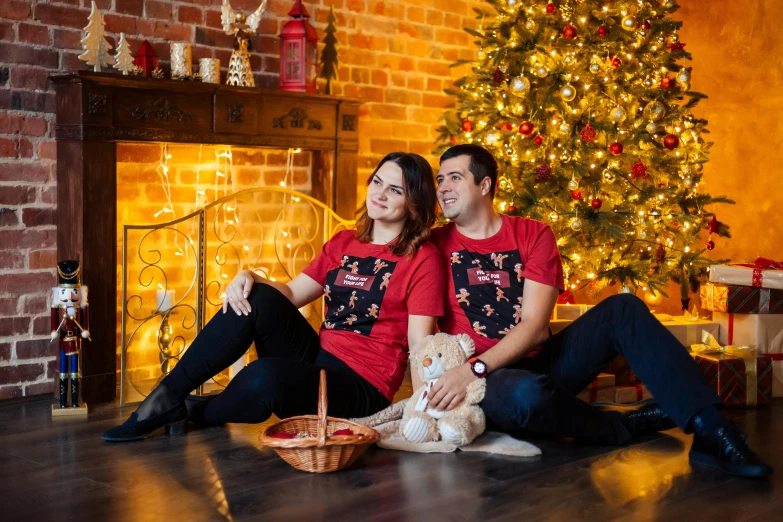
x: 451, y: 388
x: 237, y: 291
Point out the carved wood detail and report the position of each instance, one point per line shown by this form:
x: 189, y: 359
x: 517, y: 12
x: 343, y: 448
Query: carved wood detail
x: 96, y: 104
x: 162, y: 110
x: 296, y: 120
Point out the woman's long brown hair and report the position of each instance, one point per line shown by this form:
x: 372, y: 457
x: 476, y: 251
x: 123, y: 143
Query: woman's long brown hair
x: 420, y: 202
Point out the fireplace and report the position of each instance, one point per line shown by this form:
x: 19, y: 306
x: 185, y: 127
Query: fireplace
x: 113, y: 135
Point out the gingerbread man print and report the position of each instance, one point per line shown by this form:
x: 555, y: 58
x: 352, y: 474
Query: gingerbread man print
x: 518, y: 270
x: 478, y: 327
x: 327, y: 291
x: 497, y: 259
x: 328, y: 325
x: 345, y: 260
x: 385, y: 280
x: 352, y: 300
x: 455, y: 258
x: 517, y: 314
x: 462, y: 297
x: 379, y: 265
x: 354, y: 267
x: 499, y: 294
x: 505, y: 331
x: 339, y: 310
x: 477, y: 262
x: 351, y: 319
x: 489, y: 310
x: 373, y: 311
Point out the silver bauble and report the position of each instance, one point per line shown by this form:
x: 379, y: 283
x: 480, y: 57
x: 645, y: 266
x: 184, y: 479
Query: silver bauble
x: 576, y: 224
x: 683, y: 76
x: 648, y: 83
x: 687, y: 182
x: 491, y: 138
x: 655, y: 110
x: 642, y: 33
x: 625, y: 289
x: 651, y: 127
x: 608, y: 176
x: 565, y: 128
x: 542, y: 72
x: 530, y: 25
x: 553, y: 215
x: 568, y: 92
x: 511, y: 3
x: 661, y: 39
x: 565, y: 157
x: 519, y: 86
x: 568, y: 60
x: 595, y: 68
x: 618, y: 114
x: 674, y: 38
x: 573, y: 184
x: 629, y: 23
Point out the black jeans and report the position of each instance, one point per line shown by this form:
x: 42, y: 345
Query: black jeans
x: 284, y: 379
x: 538, y: 394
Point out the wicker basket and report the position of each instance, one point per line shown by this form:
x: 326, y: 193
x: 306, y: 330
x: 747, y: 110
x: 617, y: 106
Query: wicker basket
x: 324, y: 452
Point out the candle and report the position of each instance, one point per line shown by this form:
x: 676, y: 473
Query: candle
x: 164, y: 300
x: 181, y: 65
x: 209, y: 70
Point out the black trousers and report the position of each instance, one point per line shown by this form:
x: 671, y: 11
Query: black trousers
x: 284, y: 380
x: 538, y: 394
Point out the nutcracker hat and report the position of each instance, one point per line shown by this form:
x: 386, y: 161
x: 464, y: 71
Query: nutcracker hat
x: 68, y: 274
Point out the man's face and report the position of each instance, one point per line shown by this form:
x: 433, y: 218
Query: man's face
x: 458, y: 193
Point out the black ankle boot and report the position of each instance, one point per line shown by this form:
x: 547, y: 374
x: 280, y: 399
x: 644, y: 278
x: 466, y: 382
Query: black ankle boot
x: 725, y: 449
x: 133, y: 429
x: 196, y: 404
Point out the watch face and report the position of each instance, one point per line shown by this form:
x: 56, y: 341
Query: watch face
x: 479, y: 367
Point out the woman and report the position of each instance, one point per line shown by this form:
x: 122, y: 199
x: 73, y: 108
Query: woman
x: 383, y: 287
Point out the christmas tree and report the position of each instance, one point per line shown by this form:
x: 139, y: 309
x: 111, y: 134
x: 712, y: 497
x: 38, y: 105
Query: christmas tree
x: 589, y: 112
x: 329, y: 53
x: 123, y: 57
x: 96, y: 47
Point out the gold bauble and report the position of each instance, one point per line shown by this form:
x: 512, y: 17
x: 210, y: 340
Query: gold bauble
x: 576, y: 224
x: 628, y: 23
x: 568, y: 92
x: 655, y: 110
x: 618, y: 114
x: 519, y: 86
x: 565, y: 128
x: 542, y: 72
x: 683, y: 76
x: 652, y: 298
x: 595, y: 68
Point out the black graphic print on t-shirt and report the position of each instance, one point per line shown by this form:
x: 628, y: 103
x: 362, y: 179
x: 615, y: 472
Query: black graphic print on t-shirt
x: 354, y: 292
x: 489, y: 290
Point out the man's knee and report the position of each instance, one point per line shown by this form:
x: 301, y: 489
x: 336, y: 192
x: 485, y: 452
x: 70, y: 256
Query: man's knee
x: 520, y: 399
x: 626, y: 303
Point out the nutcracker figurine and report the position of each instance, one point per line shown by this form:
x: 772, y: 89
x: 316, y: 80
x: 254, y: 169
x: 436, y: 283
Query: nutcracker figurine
x: 70, y: 323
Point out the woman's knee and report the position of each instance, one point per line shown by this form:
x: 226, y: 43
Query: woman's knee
x: 264, y: 294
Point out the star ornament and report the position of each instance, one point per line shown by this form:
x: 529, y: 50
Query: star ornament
x: 676, y: 46
x: 714, y: 225
x: 639, y: 169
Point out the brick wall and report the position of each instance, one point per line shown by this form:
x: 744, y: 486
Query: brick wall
x: 394, y: 56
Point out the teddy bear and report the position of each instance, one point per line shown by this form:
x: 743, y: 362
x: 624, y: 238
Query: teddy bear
x: 430, y: 359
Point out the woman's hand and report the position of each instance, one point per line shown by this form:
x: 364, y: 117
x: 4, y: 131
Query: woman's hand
x: 237, y: 291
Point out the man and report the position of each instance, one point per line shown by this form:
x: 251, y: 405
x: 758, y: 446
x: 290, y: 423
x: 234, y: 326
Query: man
x: 532, y: 378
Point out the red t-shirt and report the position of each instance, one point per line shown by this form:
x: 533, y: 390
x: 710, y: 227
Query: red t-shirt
x: 368, y: 294
x: 484, y: 297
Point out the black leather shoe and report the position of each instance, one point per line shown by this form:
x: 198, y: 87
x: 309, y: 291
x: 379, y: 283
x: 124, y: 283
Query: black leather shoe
x: 727, y: 451
x: 647, y: 417
x: 134, y: 429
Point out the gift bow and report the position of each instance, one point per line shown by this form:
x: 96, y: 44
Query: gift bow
x: 710, y: 345
x: 688, y: 317
x: 763, y: 262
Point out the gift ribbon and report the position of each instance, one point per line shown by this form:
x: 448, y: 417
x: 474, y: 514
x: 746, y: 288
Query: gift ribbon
x: 758, y: 266
x: 709, y: 345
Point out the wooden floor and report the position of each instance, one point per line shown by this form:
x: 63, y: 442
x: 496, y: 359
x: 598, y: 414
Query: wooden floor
x: 59, y: 469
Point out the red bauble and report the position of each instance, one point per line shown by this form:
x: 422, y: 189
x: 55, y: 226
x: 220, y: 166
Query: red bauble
x: 551, y: 8
x: 616, y: 62
x: 588, y: 134
x: 507, y: 126
x: 676, y: 46
x: 667, y: 83
x: 596, y: 203
x: 498, y: 76
x: 602, y: 31
x: 453, y: 140
x: 467, y: 125
x: 576, y: 194
x: 569, y: 32
x: 646, y: 25
x: 538, y: 140
x: 616, y: 148
x: 526, y: 128
x: 710, y: 244
x: 512, y: 208
x: 671, y: 141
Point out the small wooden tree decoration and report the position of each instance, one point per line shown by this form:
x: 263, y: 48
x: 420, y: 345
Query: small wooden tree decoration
x: 329, y: 62
x: 96, y: 47
x: 123, y: 57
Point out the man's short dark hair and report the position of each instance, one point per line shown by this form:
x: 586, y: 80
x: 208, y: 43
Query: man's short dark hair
x: 482, y: 162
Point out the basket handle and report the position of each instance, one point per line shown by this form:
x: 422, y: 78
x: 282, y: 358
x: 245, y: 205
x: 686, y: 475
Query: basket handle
x: 322, y: 403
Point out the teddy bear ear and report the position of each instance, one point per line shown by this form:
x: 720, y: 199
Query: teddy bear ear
x: 466, y: 343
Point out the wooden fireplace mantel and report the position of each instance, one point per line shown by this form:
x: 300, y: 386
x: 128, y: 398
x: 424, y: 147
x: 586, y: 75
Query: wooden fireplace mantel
x: 96, y: 110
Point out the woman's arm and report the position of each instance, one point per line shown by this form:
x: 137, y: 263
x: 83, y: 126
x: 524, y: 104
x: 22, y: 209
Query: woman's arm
x: 419, y: 327
x: 300, y: 291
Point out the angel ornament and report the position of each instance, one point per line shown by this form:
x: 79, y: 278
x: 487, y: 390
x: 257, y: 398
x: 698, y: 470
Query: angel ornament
x: 243, y: 29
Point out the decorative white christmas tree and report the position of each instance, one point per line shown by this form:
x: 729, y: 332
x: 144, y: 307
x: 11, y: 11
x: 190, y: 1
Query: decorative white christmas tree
x: 123, y: 57
x: 96, y: 47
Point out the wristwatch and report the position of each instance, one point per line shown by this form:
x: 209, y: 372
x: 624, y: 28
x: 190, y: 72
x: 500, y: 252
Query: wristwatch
x: 478, y: 367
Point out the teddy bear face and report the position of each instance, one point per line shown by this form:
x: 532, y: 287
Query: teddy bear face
x: 440, y: 352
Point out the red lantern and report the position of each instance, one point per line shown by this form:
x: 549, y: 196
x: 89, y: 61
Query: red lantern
x: 298, y: 52
x: 146, y: 59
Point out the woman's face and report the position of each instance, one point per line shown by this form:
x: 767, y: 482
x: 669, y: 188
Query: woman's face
x: 386, y: 195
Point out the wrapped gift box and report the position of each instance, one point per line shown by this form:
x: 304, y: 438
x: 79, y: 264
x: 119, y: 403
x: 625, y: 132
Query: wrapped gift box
x: 600, y: 390
x: 763, y: 273
x: 570, y: 311
x: 765, y: 332
x: 738, y: 381
x: 741, y: 299
x: 631, y: 394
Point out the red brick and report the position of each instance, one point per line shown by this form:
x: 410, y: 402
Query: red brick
x: 11, y: 260
x: 71, y: 62
x: 52, y: 369
x: 168, y: 32
x: 6, y: 31
x: 36, y: 217
x: 20, y: 373
x: 10, y: 123
x: 47, y: 150
x: 189, y: 15
x: 29, y: 78
x: 37, y: 304
x: 32, y: 126
x: 65, y: 39
x: 24, y: 148
x: 402, y: 96
x: 39, y: 259
x: 212, y: 19
x: 416, y: 14
x: 33, y: 101
x: 380, y: 77
x: 35, y: 349
x: 49, y: 195
x: 7, y: 150
x: 5, y: 351
x: 434, y: 17
x: 32, y: 172
x: 34, y: 34
x: 403, y: 28
x: 17, y: 195
x: 40, y: 388
x: 129, y: 7
x: 10, y: 392
x: 161, y: 10
x: 8, y: 217
x: 14, y: 10
x: 10, y: 326
x: 437, y: 100
x: 61, y: 16
x: 42, y: 325
x: 213, y: 38
x: 120, y: 24
x: 387, y: 146
x: 25, y: 238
